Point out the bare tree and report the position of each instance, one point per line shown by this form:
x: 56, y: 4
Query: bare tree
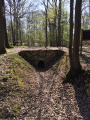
x: 89, y: 8
x: 4, y: 27
x: 17, y: 10
x: 59, y: 25
x: 45, y: 3
x: 2, y: 38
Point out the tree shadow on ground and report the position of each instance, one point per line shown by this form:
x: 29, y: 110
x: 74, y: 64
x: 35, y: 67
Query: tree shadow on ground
x: 85, y: 58
x: 81, y: 94
x: 81, y: 98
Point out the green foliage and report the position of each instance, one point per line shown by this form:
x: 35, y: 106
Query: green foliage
x: 51, y: 14
x: 17, y: 61
x: 20, y: 84
x: 11, y: 46
x: 1, y: 62
x: 5, y: 78
x: 22, y: 46
x: 7, y: 71
x: 13, y: 56
x: 15, y: 109
x: 3, y: 59
x: 15, y: 78
x: 9, y: 67
x: 30, y: 95
x: 17, y: 82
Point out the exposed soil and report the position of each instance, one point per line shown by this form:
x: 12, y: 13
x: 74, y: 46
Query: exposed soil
x: 43, y: 95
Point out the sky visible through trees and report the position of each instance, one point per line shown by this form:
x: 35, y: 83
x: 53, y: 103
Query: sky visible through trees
x: 40, y: 6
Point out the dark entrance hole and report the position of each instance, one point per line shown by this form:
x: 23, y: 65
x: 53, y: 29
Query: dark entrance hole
x: 41, y: 64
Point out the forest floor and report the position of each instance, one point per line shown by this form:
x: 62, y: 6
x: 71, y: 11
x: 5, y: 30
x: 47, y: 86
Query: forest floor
x: 30, y: 94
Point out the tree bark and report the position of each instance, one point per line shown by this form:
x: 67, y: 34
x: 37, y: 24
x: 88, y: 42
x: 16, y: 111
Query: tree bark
x: 14, y: 30
x: 71, y: 33
x: 46, y: 9
x: 59, y: 25
x: 89, y: 8
x: 4, y: 27
x: 10, y: 5
x: 2, y: 39
x: 55, y: 22
x: 50, y: 31
x: 76, y: 60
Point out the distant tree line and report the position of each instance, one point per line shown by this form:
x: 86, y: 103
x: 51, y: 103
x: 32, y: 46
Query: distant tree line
x: 27, y: 25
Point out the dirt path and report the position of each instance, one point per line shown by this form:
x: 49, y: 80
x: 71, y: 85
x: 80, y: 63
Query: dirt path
x: 56, y: 101
x: 17, y: 49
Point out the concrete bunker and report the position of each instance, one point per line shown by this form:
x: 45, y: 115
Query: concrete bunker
x: 42, y: 59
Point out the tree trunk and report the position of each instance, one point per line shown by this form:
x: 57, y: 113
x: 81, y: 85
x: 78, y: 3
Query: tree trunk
x: 2, y: 40
x: 71, y: 32
x: 5, y: 32
x: 46, y: 25
x: 89, y: 9
x: 11, y: 24
x: 50, y: 34
x: 55, y: 22
x: 4, y: 27
x: 59, y: 24
x: 76, y: 60
x: 20, y: 32
x: 14, y: 30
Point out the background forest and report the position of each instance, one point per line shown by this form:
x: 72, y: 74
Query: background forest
x: 42, y: 23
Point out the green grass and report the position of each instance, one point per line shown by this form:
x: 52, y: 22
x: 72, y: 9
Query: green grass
x: 9, y: 67
x: 5, y: 78
x: 23, y: 47
x: 1, y: 62
x: 9, y: 51
x: 15, y: 109
x: 7, y: 71
x: 3, y: 59
x: 15, y: 77
x: 17, y: 61
x: 20, y: 84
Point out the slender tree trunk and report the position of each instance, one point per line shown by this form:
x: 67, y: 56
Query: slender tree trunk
x: 5, y: 29
x: 2, y: 38
x: 89, y: 9
x: 6, y: 37
x: 59, y: 24
x: 17, y: 22
x: 53, y: 35
x: 14, y: 30
x: 76, y: 61
x: 17, y: 30
x: 71, y: 32
x: 55, y: 22
x: 11, y: 25
x: 50, y: 34
x: 20, y: 32
x: 46, y: 24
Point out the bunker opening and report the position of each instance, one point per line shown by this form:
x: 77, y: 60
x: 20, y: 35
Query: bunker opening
x: 41, y: 64
x: 42, y: 59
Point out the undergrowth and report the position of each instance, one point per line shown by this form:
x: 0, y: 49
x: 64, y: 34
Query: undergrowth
x: 15, y: 71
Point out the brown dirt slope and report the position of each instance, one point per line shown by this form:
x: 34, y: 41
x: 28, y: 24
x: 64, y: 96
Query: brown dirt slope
x: 30, y: 94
